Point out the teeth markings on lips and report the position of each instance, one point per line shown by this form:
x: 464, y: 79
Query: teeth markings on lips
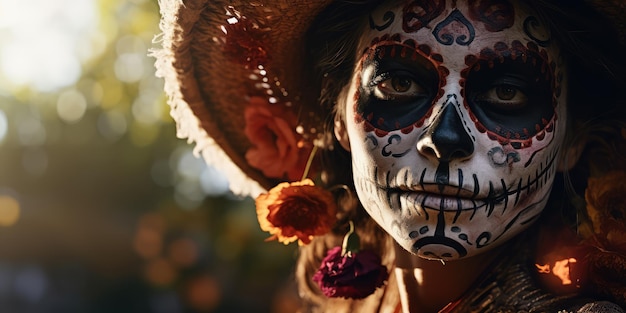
x: 459, y: 206
x: 495, y: 197
x: 460, y: 175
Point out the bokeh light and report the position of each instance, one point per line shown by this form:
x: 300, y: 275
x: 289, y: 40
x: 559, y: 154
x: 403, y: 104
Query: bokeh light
x: 112, y: 124
x: 4, y: 126
x: 203, y: 293
x: 71, y: 106
x: 149, y: 235
x: 183, y: 252
x: 30, y: 130
x: 160, y: 272
x: 9, y: 210
x: 43, y: 40
x: 31, y: 283
x: 102, y: 208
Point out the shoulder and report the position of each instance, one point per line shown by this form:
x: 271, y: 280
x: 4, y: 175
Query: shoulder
x: 600, y: 307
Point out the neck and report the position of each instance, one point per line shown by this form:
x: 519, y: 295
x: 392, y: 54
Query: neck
x: 428, y: 286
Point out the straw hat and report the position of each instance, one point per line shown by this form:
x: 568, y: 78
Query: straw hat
x: 237, y: 85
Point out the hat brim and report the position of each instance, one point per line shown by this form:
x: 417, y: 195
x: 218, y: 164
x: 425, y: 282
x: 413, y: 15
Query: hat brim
x: 208, y: 84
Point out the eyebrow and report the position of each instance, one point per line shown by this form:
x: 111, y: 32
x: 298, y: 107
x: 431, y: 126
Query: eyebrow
x: 407, y: 46
x: 517, y: 51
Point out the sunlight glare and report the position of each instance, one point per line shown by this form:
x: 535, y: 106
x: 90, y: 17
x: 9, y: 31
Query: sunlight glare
x: 71, y: 106
x: 40, y: 41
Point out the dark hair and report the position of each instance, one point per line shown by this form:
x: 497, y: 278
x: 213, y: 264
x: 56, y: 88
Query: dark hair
x: 595, y: 73
x: 596, y: 69
x: 332, y: 44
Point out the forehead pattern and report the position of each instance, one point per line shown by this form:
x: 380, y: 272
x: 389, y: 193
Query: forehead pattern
x: 496, y: 15
x: 433, y: 29
x: 451, y: 22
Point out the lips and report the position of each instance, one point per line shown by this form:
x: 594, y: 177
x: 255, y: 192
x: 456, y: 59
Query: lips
x: 448, y: 198
x: 427, y: 200
x: 442, y: 190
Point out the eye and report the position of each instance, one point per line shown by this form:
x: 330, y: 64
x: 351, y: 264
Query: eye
x: 507, y: 97
x: 398, y: 88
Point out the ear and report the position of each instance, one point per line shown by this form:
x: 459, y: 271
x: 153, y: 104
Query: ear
x: 570, y: 156
x: 340, y: 133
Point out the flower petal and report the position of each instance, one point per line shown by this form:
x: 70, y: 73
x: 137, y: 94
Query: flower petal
x: 296, y: 211
x: 356, y: 276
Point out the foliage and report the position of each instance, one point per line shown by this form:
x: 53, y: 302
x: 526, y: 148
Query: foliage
x: 110, y: 212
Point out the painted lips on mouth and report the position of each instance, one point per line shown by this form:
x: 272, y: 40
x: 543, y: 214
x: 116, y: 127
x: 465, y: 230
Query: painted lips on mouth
x: 440, y: 202
x: 446, y: 198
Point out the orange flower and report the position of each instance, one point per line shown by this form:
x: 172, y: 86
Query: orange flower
x: 276, y: 149
x: 606, y: 247
x: 296, y: 211
x: 606, y: 207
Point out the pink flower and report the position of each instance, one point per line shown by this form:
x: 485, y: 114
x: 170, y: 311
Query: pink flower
x: 276, y: 150
x: 354, y: 275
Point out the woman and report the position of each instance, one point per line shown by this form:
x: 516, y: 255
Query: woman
x: 437, y: 133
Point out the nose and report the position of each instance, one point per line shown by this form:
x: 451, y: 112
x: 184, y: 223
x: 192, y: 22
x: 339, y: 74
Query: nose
x: 446, y: 139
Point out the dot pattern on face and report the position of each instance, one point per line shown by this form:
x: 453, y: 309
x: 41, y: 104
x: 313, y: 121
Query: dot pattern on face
x: 511, y: 93
x: 397, y: 84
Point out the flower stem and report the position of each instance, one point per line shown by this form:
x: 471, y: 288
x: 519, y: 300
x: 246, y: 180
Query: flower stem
x: 351, y: 242
x: 308, y: 162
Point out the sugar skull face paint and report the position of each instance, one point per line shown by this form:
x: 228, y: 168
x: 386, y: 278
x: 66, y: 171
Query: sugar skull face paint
x: 455, y: 115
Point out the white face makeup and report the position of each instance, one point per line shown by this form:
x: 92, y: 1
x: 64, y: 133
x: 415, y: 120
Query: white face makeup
x: 455, y: 116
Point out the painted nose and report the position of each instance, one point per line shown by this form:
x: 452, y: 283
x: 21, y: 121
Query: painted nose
x: 446, y: 139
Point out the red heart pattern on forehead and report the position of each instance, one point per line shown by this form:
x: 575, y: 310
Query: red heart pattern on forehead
x: 496, y: 15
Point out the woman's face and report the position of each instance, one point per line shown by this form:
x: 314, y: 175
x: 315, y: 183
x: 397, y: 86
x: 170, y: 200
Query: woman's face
x: 455, y: 117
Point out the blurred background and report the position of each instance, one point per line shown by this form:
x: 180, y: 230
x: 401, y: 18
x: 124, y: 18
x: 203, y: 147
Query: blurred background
x: 102, y: 208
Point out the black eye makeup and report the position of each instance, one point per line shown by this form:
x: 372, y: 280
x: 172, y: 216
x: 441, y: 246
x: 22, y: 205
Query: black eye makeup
x: 397, y: 87
x: 511, y: 93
